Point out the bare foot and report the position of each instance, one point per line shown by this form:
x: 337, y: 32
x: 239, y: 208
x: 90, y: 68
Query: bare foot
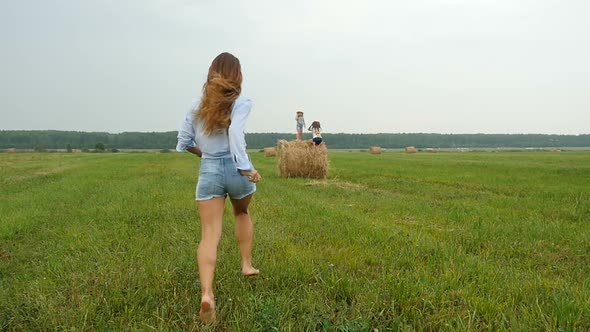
x: 250, y: 271
x: 207, y: 312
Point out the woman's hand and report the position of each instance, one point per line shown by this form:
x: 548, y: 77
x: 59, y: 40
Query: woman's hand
x: 253, y: 175
x: 195, y: 151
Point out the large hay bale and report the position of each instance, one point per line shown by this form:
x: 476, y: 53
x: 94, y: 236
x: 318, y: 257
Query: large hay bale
x: 411, y: 149
x: 375, y: 150
x: 11, y: 150
x: 302, y: 159
x: 270, y: 152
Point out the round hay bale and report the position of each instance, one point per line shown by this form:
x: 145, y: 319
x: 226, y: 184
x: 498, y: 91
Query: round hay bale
x: 302, y: 159
x: 270, y: 152
x: 375, y: 150
x: 410, y: 149
x: 11, y: 150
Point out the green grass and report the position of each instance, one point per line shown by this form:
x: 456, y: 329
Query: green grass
x: 448, y: 241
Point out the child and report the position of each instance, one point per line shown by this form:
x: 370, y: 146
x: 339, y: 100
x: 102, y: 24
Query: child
x: 317, y: 134
x: 300, y: 124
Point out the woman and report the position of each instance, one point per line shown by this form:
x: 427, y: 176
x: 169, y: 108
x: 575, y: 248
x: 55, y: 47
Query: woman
x: 214, y: 130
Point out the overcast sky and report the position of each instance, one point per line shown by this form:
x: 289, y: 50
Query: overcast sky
x: 436, y: 66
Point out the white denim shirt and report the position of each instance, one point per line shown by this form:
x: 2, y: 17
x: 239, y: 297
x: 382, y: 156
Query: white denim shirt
x: 224, y: 143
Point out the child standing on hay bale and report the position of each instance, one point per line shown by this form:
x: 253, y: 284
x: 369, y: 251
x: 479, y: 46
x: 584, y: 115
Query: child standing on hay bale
x: 214, y: 130
x: 316, y: 129
x: 300, y: 125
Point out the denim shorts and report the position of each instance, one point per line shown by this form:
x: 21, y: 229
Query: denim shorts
x: 219, y: 177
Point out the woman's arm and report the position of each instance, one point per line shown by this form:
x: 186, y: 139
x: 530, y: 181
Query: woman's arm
x: 236, y: 133
x: 186, y: 133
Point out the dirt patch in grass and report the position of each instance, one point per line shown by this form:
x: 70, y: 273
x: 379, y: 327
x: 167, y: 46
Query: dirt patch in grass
x: 32, y: 175
x: 7, y: 162
x: 421, y: 224
x: 4, y: 254
x: 335, y: 183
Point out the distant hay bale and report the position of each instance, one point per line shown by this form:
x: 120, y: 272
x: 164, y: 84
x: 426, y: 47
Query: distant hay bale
x: 410, y: 149
x: 375, y: 150
x: 302, y: 159
x: 433, y: 150
x: 11, y: 150
x: 270, y: 152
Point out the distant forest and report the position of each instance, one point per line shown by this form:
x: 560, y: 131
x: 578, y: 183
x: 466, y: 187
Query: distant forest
x: 52, y: 139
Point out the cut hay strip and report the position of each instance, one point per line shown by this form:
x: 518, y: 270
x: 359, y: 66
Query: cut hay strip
x: 411, y: 149
x: 335, y: 183
x: 270, y: 152
x: 302, y: 159
x: 375, y: 150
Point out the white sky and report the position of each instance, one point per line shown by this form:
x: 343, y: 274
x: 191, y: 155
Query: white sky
x: 444, y: 66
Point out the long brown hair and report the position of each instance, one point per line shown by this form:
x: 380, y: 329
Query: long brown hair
x: 222, y: 88
x: 315, y: 125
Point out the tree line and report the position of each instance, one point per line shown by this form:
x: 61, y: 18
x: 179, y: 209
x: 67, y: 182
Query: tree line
x: 53, y: 139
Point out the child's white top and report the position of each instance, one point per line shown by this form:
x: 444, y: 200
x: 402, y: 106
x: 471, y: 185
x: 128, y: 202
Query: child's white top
x: 316, y: 132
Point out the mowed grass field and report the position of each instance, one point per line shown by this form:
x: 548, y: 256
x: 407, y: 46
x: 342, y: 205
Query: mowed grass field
x: 441, y: 242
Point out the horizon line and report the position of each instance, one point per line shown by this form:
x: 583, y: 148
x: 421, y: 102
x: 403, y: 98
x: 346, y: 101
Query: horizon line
x: 288, y: 133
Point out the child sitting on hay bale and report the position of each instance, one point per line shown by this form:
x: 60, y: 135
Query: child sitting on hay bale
x: 302, y: 159
x: 316, y: 129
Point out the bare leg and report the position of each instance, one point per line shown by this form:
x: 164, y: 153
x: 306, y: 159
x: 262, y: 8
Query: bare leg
x: 244, y: 234
x: 211, y: 212
x: 299, y: 134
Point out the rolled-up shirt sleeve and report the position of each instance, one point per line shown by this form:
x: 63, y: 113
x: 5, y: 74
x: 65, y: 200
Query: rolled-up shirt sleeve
x: 186, y: 133
x: 237, y: 135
